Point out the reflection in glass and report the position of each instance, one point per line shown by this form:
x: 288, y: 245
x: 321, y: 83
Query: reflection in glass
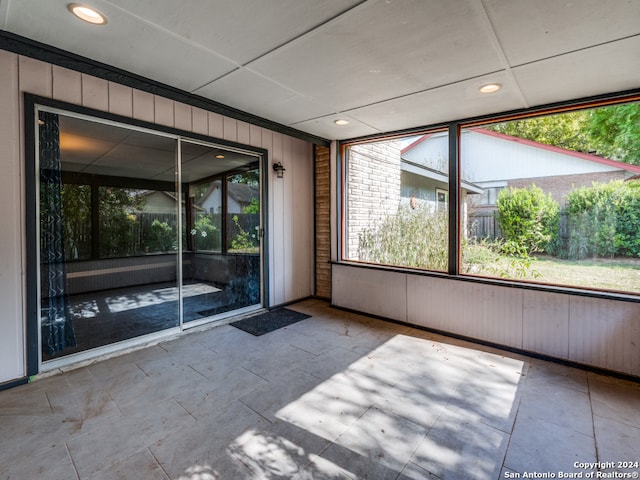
x: 109, y: 205
x: 76, y: 214
x: 107, y: 234
x: 136, y: 222
x: 207, y: 216
x: 243, y: 212
x: 221, y: 257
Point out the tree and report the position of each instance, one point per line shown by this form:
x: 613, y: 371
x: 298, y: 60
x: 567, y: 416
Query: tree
x: 612, y: 132
x: 615, y: 132
x: 117, y: 222
x: 76, y: 212
x: 566, y: 130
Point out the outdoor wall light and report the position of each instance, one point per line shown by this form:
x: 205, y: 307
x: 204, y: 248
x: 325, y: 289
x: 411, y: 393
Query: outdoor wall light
x: 279, y: 169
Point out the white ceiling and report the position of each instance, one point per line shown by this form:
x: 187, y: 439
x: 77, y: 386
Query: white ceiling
x: 382, y: 64
x: 101, y: 149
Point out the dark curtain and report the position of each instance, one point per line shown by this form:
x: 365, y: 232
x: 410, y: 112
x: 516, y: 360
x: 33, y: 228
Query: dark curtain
x: 57, y: 324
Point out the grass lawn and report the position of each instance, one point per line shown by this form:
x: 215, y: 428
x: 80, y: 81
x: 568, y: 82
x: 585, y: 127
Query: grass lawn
x: 611, y: 274
x: 620, y: 274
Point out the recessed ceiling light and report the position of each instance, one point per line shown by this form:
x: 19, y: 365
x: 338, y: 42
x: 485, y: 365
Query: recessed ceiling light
x: 490, y: 88
x: 87, y: 14
x: 219, y: 155
x: 341, y: 122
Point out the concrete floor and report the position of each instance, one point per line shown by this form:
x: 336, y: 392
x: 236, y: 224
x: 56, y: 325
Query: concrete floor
x: 336, y: 396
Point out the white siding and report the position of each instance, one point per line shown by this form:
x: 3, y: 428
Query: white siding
x: 485, y: 158
x: 605, y: 333
x: 487, y: 314
x: 370, y: 291
x: 12, y: 327
x: 546, y: 323
x: 290, y: 211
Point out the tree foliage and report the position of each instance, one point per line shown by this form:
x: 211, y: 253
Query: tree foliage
x: 612, y: 132
x: 615, y: 132
x: 117, y: 220
x: 566, y: 130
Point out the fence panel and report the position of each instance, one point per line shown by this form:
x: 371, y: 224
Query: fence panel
x: 483, y: 225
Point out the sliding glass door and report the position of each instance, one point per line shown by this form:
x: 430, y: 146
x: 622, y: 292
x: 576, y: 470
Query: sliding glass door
x: 221, y: 257
x: 108, y: 226
x: 139, y: 232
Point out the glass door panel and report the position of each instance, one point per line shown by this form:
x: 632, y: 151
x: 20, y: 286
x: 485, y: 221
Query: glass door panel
x: 108, y: 233
x: 221, y: 256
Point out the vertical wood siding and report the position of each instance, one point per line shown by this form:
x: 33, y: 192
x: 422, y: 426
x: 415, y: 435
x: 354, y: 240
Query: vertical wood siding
x: 12, y: 351
x: 605, y: 333
x: 590, y: 331
x: 371, y: 291
x: 290, y: 210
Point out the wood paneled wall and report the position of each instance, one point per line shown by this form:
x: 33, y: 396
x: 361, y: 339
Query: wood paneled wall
x: 290, y: 208
x: 12, y: 326
x: 591, y: 331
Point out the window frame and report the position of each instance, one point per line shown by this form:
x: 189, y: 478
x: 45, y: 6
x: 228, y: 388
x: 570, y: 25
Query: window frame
x: 455, y: 179
x: 344, y: 188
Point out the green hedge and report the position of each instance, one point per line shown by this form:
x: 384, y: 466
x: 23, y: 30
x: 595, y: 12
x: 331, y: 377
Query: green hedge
x: 528, y: 219
x: 603, y: 221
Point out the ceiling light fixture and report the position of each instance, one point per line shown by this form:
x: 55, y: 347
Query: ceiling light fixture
x: 219, y: 155
x: 490, y: 88
x: 88, y: 14
x: 341, y: 122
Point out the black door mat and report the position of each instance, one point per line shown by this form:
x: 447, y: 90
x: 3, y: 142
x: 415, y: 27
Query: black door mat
x: 269, y: 321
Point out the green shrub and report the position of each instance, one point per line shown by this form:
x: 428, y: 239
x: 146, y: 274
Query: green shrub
x: 410, y: 238
x: 603, y: 220
x: 162, y: 237
x: 244, y: 242
x: 206, y: 234
x: 496, y: 258
x: 528, y: 219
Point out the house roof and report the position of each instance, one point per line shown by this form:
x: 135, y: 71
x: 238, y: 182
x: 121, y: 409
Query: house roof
x: 240, y: 192
x: 437, y: 176
x: 415, y: 143
x: 571, y: 153
x: 530, y: 143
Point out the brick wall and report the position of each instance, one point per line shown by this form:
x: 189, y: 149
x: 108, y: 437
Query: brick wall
x: 323, y: 221
x: 373, y: 183
x: 560, y: 185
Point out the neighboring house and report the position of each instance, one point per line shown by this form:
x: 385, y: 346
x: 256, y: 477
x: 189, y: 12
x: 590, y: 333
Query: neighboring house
x: 158, y: 202
x: 492, y: 161
x: 424, y: 172
x: 380, y: 179
x: 239, y: 196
